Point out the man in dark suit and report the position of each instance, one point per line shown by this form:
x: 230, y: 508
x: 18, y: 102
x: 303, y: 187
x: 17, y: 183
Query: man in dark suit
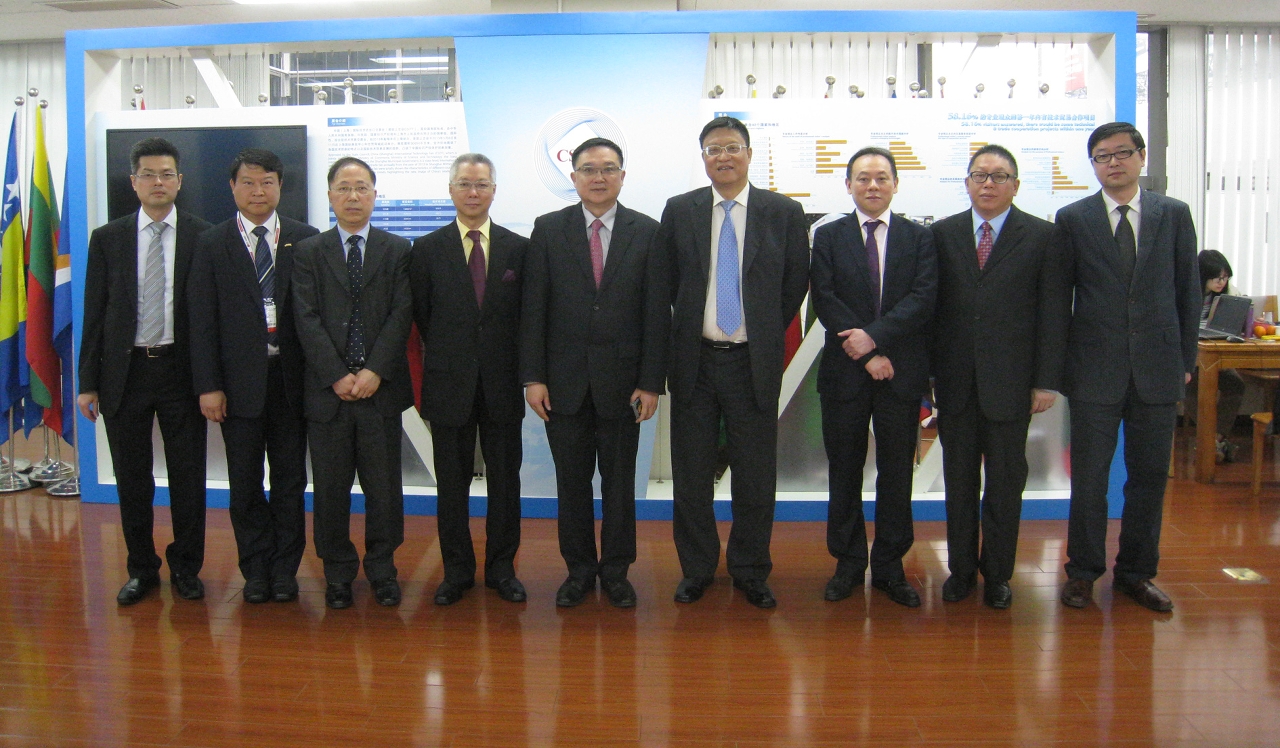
x: 593, y: 345
x: 247, y: 364
x: 1130, y: 257
x: 875, y: 279
x: 466, y: 280
x: 135, y: 367
x: 999, y: 335
x: 738, y: 258
x: 353, y: 308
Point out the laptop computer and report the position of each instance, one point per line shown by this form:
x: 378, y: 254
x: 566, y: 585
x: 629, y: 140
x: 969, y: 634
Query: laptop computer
x: 1227, y: 319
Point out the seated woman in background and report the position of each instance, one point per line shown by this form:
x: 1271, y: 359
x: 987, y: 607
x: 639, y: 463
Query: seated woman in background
x: 1215, y: 279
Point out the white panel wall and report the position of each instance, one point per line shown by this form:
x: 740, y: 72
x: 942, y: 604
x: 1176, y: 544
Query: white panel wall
x: 41, y: 66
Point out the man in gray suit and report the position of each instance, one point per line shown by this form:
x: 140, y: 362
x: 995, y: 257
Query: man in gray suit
x: 354, y: 309
x: 1130, y: 257
x: 739, y: 260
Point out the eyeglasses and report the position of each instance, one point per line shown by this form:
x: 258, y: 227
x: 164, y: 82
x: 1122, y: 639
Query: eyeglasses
x: 978, y: 177
x: 590, y: 172
x: 1121, y: 155
x: 477, y: 186
x: 151, y: 176
x: 362, y: 190
x: 732, y: 149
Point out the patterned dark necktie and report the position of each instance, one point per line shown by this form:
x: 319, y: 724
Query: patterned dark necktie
x: 355, y: 325
x: 985, y: 243
x: 476, y: 265
x: 266, y: 268
x: 873, y: 261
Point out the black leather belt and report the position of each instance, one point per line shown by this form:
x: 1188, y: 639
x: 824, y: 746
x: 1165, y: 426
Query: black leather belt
x: 153, y: 351
x: 722, y: 345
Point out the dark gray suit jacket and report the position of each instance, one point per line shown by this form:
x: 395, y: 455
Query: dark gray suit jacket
x: 842, y: 297
x: 1002, y: 327
x: 1147, y: 331
x: 228, y: 325
x: 775, y: 278
x: 322, y: 307
x: 574, y: 336
x: 462, y: 344
x: 111, y: 305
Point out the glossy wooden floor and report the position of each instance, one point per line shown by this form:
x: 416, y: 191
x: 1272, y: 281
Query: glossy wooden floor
x: 77, y: 670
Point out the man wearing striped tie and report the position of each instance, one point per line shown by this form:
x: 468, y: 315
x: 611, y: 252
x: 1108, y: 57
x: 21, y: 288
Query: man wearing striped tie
x: 135, y: 367
x: 247, y: 364
x: 739, y: 259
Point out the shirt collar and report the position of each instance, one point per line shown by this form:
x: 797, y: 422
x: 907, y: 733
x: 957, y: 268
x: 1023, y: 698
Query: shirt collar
x: 997, y: 223
x: 1135, y: 204
x: 863, y: 217
x: 249, y: 224
x: 740, y: 198
x: 363, y: 233
x: 606, y: 219
x: 144, y: 220
x: 484, y: 228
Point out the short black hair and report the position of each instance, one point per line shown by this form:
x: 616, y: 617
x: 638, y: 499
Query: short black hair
x: 1212, y: 265
x: 872, y: 150
x: 997, y: 150
x: 1116, y: 128
x: 590, y: 143
x: 261, y: 157
x: 351, y: 161
x: 726, y: 123
x: 152, y: 147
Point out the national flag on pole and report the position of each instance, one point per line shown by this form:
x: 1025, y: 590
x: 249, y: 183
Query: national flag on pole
x: 42, y: 227
x: 62, y: 319
x: 13, y: 287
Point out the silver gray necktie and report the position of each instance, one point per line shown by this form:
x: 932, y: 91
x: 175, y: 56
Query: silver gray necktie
x: 151, y: 327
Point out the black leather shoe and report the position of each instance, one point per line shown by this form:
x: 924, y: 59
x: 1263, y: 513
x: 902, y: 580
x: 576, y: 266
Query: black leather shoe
x: 135, y: 589
x: 449, y: 593
x: 997, y: 595
x: 690, y: 590
x: 900, y: 591
x: 284, y: 589
x: 756, y: 592
x: 337, y: 595
x: 1076, y: 593
x: 257, y: 590
x: 509, y: 589
x: 839, y: 587
x: 1145, y: 594
x: 188, y: 586
x: 958, y: 587
x: 386, y: 592
x: 621, y: 593
x: 573, y: 592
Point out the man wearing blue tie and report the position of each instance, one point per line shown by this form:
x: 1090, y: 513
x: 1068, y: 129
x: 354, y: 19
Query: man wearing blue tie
x: 739, y: 260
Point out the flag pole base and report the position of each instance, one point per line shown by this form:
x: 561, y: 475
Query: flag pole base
x: 51, y: 473
x: 20, y: 465
x: 65, y: 489
x: 11, y: 482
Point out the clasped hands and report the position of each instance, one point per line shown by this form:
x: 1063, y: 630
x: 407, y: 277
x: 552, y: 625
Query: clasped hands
x: 857, y: 344
x: 358, y: 386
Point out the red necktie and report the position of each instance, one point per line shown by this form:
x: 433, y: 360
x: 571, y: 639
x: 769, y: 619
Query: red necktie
x: 597, y: 251
x: 984, y: 245
x: 476, y: 264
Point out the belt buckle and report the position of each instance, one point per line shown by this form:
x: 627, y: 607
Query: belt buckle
x: 158, y: 351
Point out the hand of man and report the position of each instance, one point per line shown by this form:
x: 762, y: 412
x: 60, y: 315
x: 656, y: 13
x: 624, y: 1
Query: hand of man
x: 535, y: 393
x: 857, y: 343
x: 367, y: 383
x: 1042, y: 400
x: 648, y: 404
x: 342, y: 387
x: 880, y: 368
x: 214, y: 406
x: 1186, y: 378
x: 88, y: 403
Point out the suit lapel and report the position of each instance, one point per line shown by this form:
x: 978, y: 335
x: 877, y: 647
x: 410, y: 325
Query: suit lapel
x: 1149, y: 220
x: 129, y: 259
x: 458, y: 272
x: 1010, y: 235
x: 374, y: 253
x: 1100, y: 224
x: 751, y: 243
x: 702, y: 246
x: 497, y: 267
x: 184, y: 247
x: 619, y: 243
x: 333, y: 253
x: 575, y: 236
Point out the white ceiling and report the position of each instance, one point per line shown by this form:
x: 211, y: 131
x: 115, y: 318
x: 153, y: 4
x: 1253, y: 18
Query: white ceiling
x: 33, y: 19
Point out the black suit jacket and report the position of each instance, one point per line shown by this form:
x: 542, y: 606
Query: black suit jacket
x: 574, y: 336
x: 322, y: 308
x: 463, y: 344
x: 1004, y: 326
x: 1148, y: 330
x: 842, y: 298
x: 111, y: 305
x: 228, y: 325
x: 775, y: 278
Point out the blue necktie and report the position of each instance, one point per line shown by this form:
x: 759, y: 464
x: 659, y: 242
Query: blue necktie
x: 266, y: 268
x: 728, y: 294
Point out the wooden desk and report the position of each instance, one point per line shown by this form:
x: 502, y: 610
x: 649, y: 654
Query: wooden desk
x: 1215, y: 356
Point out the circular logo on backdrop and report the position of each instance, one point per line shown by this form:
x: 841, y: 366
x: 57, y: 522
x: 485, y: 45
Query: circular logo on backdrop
x: 564, y: 131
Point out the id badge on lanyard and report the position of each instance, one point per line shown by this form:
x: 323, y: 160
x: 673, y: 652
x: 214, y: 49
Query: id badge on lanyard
x: 268, y: 305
